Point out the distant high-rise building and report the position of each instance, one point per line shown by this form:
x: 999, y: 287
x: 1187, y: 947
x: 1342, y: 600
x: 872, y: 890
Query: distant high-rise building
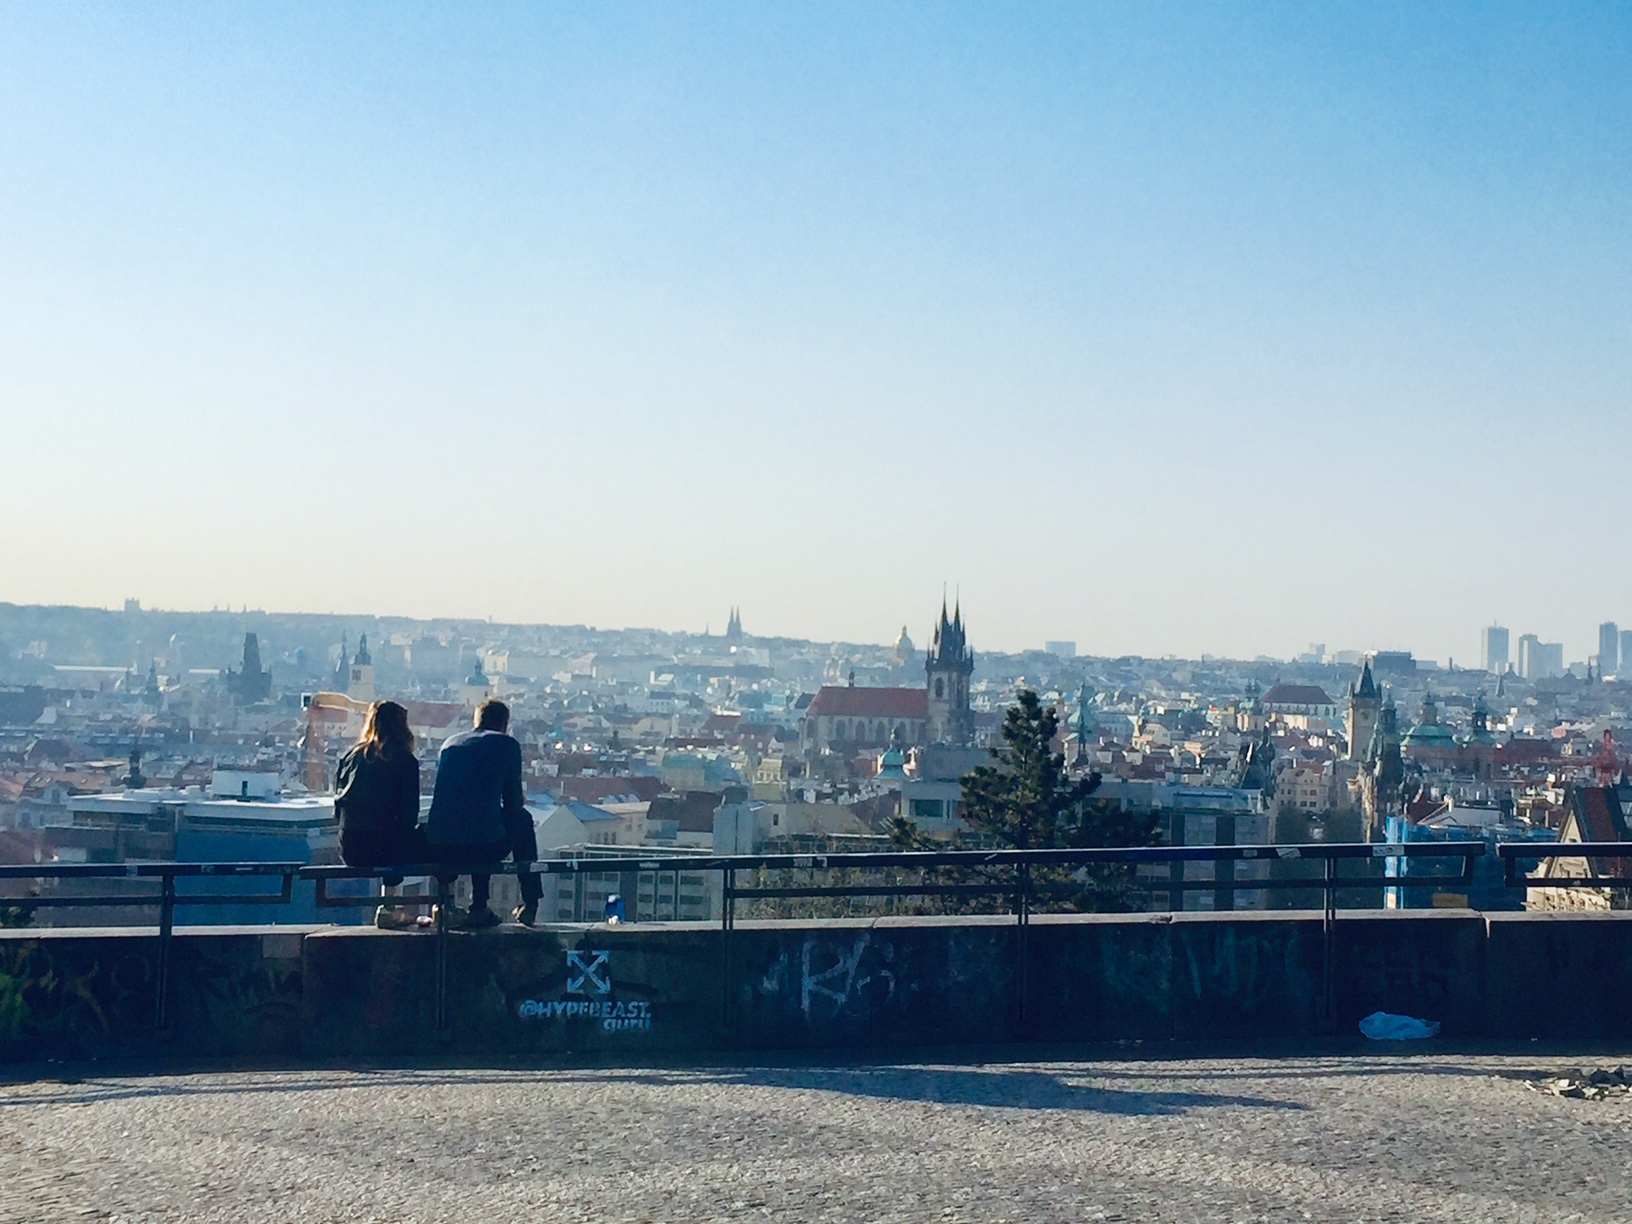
x: 1552, y: 659
x: 1626, y: 652
x: 1609, y: 647
x: 1493, y: 652
x: 1539, y: 660
x: 1529, y: 662
x: 1062, y: 650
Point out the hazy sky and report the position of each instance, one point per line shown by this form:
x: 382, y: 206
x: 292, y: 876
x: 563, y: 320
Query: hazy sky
x: 1167, y: 328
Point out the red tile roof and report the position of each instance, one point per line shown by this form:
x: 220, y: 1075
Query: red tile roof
x: 845, y: 702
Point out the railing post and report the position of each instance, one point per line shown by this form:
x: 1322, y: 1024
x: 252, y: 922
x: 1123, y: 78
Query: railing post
x: 443, y: 896
x: 1022, y: 926
x: 728, y: 920
x: 1328, y: 940
x: 167, y: 923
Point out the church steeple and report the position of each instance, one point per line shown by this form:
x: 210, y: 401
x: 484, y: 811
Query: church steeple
x: 360, y: 675
x: 947, y: 669
x: 1360, y: 720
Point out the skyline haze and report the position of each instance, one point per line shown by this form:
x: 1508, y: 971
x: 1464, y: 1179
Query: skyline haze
x: 1167, y: 329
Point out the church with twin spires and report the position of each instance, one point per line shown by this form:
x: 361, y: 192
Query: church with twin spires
x: 845, y: 719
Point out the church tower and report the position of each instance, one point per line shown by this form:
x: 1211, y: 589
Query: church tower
x: 360, y: 685
x: 947, y: 671
x: 1360, y: 721
x: 1384, y: 770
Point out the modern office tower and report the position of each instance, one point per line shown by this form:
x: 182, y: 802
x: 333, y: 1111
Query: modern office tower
x: 1539, y: 660
x: 1609, y: 648
x: 1529, y: 656
x: 1552, y: 659
x: 1493, y: 649
x: 1626, y: 651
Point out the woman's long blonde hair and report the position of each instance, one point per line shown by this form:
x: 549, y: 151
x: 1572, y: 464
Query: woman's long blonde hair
x: 385, y: 731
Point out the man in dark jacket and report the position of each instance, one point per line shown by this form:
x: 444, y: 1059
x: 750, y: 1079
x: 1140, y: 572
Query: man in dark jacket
x: 477, y: 814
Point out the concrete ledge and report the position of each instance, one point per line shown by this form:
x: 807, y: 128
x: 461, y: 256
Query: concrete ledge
x: 1558, y: 974
x: 351, y: 992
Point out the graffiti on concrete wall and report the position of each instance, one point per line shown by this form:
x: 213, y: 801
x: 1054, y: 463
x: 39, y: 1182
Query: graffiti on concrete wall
x: 589, y: 978
x: 834, y: 976
x: 51, y: 998
x: 229, y: 999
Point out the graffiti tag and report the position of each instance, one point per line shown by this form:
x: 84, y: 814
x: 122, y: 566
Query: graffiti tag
x: 596, y: 972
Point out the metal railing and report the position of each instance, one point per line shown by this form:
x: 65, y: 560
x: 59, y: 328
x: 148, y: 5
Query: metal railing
x: 1514, y: 853
x: 166, y: 899
x: 999, y: 873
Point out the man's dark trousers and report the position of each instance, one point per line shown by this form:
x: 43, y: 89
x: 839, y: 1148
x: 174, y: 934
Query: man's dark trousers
x: 520, y: 843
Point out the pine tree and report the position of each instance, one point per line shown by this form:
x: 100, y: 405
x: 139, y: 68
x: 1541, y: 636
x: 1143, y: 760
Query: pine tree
x: 1027, y: 799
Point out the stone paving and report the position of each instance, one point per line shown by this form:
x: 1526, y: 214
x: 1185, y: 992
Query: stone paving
x: 1419, y: 1138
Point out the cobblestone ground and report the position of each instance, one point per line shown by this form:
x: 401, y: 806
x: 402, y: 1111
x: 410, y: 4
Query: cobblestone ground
x: 1404, y: 1138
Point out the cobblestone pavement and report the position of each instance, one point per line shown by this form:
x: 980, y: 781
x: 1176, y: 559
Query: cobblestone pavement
x: 1376, y: 1138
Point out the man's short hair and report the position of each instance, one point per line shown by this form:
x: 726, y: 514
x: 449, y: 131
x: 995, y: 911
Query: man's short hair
x: 492, y: 715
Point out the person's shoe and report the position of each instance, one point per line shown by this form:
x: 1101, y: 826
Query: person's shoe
x: 394, y: 918
x: 456, y: 916
x: 479, y: 920
x: 526, y: 913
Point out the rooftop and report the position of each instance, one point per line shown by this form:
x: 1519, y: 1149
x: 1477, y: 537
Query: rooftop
x: 849, y: 702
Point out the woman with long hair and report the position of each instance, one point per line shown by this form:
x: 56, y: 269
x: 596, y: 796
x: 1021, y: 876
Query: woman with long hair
x: 377, y: 800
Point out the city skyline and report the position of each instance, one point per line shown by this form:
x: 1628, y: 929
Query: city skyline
x: 1511, y: 640
x: 1175, y: 330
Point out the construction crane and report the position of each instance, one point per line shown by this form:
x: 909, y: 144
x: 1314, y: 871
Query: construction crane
x: 314, y: 763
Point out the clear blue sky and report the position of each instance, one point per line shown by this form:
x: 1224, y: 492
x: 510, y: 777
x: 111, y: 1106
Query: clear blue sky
x: 1167, y: 328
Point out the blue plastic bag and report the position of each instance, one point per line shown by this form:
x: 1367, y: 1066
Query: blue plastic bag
x: 1382, y: 1026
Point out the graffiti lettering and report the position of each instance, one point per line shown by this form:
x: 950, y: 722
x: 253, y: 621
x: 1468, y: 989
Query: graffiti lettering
x: 614, y: 1017
x: 839, y: 980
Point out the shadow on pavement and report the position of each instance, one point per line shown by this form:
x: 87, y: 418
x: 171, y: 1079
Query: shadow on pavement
x: 1003, y: 1088
x: 997, y: 1087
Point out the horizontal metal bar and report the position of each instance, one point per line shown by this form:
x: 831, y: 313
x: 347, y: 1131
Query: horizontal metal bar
x: 1553, y: 850
x: 883, y: 890
x: 78, y: 902
x: 138, y: 899
x: 921, y: 859
x: 67, y: 871
x: 184, y: 870
x: 346, y: 902
x: 1149, y: 885
x: 230, y: 899
x: 143, y: 871
x: 1571, y: 882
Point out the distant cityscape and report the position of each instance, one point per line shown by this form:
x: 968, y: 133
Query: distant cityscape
x: 145, y: 734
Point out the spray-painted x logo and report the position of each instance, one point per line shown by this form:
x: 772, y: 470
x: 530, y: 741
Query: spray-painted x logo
x: 595, y: 971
